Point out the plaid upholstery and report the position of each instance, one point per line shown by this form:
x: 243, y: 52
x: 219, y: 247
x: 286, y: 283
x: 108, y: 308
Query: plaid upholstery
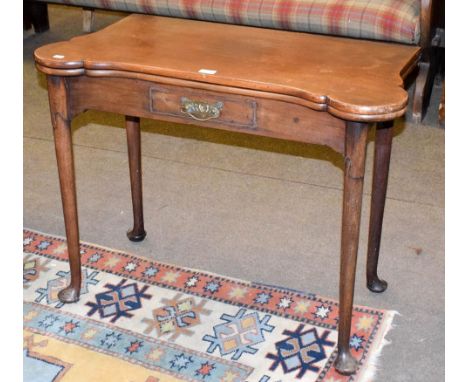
x: 390, y: 20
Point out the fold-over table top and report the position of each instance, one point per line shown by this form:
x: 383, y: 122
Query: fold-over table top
x: 352, y: 79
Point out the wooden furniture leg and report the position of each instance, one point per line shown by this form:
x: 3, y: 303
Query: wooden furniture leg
x: 383, y: 148
x: 132, y: 125
x: 421, y: 89
x: 355, y: 156
x: 61, y: 122
x: 35, y: 13
x: 88, y: 20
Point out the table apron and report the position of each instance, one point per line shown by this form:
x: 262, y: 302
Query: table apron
x: 241, y: 113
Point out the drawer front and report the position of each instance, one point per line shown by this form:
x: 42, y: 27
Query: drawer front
x: 223, y: 109
x: 241, y: 113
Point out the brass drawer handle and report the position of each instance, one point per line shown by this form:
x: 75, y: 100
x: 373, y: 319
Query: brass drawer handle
x: 199, y: 110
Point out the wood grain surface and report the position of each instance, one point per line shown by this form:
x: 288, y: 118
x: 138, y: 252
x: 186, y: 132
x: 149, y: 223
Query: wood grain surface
x: 352, y: 79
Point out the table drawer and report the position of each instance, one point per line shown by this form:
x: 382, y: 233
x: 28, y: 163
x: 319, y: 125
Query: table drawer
x: 213, y: 109
x: 204, y: 106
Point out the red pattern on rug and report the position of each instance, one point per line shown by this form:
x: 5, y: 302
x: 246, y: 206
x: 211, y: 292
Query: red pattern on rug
x: 368, y: 324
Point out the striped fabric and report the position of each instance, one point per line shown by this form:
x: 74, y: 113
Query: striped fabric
x: 390, y: 20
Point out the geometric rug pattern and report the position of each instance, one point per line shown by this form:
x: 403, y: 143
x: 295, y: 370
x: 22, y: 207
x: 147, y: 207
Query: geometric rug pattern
x: 140, y: 320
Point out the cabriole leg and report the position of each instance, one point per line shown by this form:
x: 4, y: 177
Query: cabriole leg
x: 355, y: 156
x: 61, y: 122
x: 132, y: 125
x: 383, y: 148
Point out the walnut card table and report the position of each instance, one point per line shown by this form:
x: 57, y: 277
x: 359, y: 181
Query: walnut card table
x: 288, y: 85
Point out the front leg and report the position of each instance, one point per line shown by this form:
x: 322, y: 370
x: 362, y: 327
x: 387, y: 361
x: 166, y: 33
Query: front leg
x: 355, y: 157
x: 61, y: 122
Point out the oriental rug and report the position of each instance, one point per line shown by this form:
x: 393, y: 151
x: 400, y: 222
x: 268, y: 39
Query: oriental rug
x: 139, y: 320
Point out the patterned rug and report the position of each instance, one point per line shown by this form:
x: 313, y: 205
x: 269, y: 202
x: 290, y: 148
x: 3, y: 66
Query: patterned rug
x: 140, y: 320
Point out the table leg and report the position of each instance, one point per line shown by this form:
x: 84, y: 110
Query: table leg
x: 61, y: 122
x: 355, y: 156
x: 383, y: 148
x: 132, y: 125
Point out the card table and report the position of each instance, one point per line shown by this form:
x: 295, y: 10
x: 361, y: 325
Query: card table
x: 288, y: 85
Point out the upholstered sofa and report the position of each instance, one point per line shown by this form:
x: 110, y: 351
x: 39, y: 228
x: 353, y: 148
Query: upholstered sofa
x: 399, y: 21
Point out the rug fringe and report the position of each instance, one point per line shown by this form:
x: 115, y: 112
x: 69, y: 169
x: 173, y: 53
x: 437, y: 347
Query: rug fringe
x: 370, y: 369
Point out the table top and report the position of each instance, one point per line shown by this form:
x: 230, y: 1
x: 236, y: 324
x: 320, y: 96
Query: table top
x: 350, y: 78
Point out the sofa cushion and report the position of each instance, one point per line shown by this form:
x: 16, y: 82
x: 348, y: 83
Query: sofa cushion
x: 390, y: 20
